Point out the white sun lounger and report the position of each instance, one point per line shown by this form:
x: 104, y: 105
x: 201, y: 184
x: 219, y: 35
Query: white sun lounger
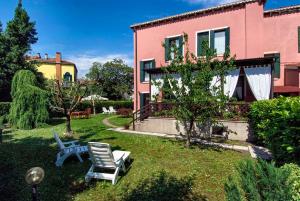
x: 102, y: 157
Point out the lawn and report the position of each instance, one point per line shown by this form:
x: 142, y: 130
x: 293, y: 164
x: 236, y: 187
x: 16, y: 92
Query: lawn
x: 160, y: 167
x: 119, y: 120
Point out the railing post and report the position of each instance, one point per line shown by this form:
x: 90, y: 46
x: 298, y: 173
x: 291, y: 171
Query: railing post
x: 133, y: 121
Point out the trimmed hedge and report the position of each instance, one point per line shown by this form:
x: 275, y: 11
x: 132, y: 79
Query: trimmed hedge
x: 4, y: 108
x: 276, y: 124
x: 293, y: 179
x: 99, y: 104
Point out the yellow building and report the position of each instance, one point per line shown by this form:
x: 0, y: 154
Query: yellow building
x: 55, y: 68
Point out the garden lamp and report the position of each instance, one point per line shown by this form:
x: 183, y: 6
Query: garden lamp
x: 33, y: 177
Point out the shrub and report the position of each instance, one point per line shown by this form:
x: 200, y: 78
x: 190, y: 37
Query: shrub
x: 99, y: 104
x: 4, y: 108
x: 294, y: 180
x: 29, y: 107
x: 259, y: 181
x: 124, y: 112
x: 276, y: 124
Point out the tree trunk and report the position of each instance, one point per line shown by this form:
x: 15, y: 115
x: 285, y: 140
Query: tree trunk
x: 189, y: 129
x: 68, y: 125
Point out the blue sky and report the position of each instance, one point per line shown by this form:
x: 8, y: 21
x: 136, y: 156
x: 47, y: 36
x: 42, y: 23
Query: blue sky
x: 98, y: 30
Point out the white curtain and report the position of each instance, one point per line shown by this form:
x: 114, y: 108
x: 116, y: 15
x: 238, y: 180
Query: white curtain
x: 220, y: 42
x: 157, y: 78
x: 231, y: 81
x: 259, y: 79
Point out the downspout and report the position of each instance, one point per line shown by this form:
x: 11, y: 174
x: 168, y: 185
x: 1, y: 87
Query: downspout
x: 136, y: 78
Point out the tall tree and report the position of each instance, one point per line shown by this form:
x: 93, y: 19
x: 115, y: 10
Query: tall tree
x: 19, y: 35
x: 114, y: 78
x: 196, y: 99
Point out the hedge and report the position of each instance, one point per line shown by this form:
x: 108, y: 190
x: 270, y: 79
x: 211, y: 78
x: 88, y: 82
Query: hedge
x: 4, y: 108
x: 99, y: 104
x: 276, y: 124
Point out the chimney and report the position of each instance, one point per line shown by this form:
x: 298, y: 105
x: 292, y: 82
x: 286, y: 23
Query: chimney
x: 58, y: 66
x: 46, y: 56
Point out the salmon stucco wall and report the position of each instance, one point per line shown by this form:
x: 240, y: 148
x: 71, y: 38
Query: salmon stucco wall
x: 252, y: 35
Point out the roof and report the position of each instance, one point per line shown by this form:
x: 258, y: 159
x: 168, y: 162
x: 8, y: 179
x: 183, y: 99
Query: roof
x: 193, y: 13
x: 239, y: 63
x: 286, y: 89
x: 282, y: 10
x: 52, y: 61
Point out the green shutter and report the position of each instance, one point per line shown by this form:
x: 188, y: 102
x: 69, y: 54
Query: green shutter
x: 212, y: 39
x: 142, y: 72
x: 180, y: 51
x: 153, y: 64
x: 201, y: 39
x: 298, y: 39
x: 227, y: 39
x: 167, y: 49
x: 277, y: 65
x: 141, y: 100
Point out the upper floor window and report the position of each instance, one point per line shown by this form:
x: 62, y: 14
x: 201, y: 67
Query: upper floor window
x: 216, y: 39
x: 144, y: 65
x: 173, y: 45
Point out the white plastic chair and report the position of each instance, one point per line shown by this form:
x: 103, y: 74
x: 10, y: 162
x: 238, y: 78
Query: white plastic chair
x: 102, y: 157
x: 67, y: 149
x: 112, y: 110
x: 105, y: 111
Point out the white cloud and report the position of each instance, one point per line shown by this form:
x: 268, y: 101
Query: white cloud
x: 208, y: 3
x: 85, y: 61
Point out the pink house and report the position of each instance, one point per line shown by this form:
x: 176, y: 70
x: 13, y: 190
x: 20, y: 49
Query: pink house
x: 258, y: 37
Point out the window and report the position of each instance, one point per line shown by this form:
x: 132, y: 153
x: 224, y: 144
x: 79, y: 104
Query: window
x: 203, y: 38
x: 220, y: 42
x: 277, y: 63
x: 67, y: 79
x: 171, y: 44
x: 216, y: 39
x: 144, y: 65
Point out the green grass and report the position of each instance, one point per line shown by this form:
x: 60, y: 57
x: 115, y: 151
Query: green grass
x: 119, y: 121
x: 160, y: 167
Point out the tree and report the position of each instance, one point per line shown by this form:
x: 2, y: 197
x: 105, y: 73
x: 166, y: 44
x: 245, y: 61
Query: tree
x: 197, y: 100
x: 30, y: 103
x: 114, y: 79
x: 17, y: 39
x: 65, y: 98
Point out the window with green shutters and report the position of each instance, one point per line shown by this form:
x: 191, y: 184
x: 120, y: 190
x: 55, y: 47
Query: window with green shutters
x: 170, y: 43
x: 144, y: 65
x: 218, y: 40
x: 202, y: 38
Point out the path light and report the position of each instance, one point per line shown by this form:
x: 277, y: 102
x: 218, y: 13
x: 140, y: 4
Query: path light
x: 33, y: 177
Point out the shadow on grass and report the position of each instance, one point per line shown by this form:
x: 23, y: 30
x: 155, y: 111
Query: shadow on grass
x: 163, y: 187
x: 59, y: 184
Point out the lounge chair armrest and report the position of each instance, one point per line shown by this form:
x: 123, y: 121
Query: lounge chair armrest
x: 72, y: 143
x: 120, y: 159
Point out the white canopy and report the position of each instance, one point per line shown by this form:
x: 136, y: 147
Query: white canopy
x: 94, y: 97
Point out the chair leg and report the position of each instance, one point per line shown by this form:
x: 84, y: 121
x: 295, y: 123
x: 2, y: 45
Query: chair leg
x: 60, y: 159
x: 87, y: 176
x: 115, y: 177
x: 79, y: 157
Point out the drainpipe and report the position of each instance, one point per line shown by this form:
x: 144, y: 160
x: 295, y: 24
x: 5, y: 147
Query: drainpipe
x: 136, y: 63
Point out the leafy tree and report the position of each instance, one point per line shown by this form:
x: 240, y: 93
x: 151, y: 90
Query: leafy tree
x: 65, y: 99
x: 196, y: 99
x: 15, y: 42
x: 29, y: 107
x: 114, y: 79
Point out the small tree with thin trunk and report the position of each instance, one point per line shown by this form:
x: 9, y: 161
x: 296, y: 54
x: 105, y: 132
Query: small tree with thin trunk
x: 66, y: 97
x: 196, y: 98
